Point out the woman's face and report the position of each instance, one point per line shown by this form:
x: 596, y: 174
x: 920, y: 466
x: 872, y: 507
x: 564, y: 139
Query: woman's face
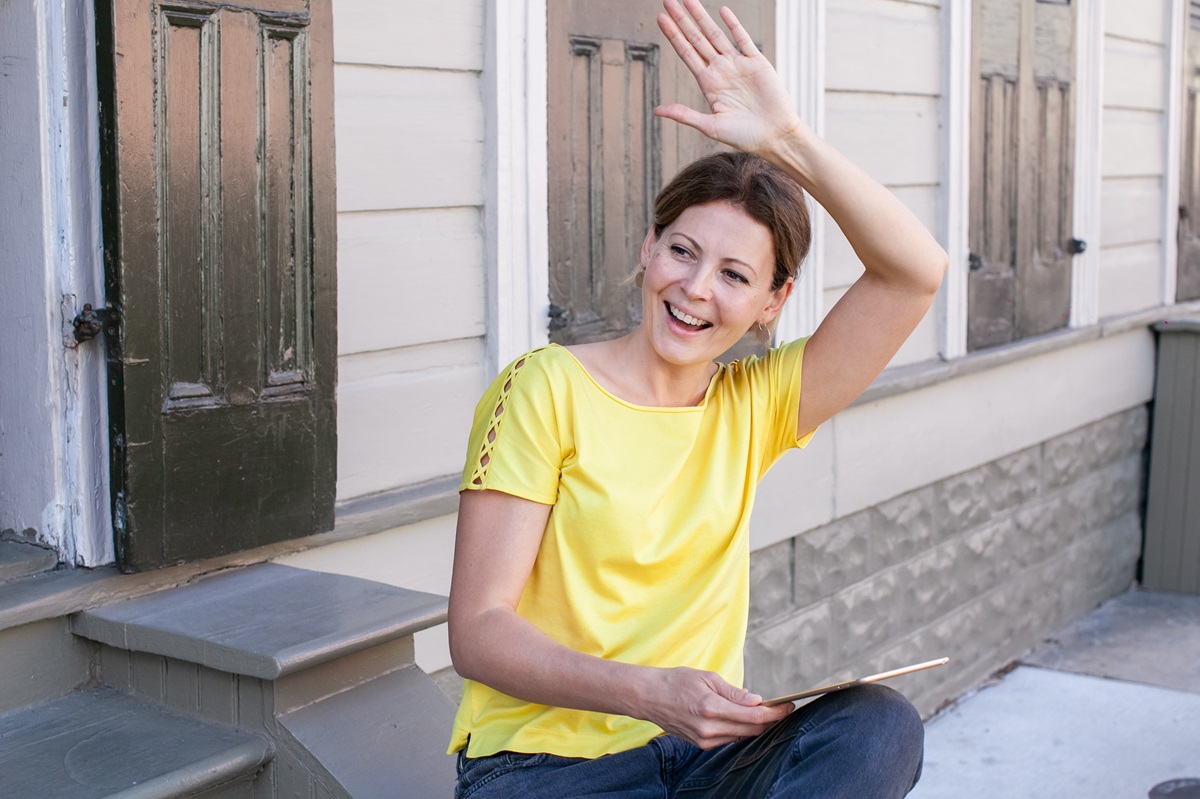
x: 707, y: 282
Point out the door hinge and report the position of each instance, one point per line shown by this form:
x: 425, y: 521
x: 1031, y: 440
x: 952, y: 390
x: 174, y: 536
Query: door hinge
x: 560, y: 317
x: 89, y: 322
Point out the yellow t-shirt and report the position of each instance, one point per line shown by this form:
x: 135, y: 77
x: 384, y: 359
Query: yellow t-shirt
x: 645, y: 557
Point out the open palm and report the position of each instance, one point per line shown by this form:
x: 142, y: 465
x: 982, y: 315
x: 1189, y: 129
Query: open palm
x: 749, y: 108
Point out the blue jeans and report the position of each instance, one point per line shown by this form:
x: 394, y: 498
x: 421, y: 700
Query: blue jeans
x: 862, y: 743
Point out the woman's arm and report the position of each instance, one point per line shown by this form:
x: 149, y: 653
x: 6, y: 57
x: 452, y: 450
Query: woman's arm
x: 904, y: 265
x: 495, y: 547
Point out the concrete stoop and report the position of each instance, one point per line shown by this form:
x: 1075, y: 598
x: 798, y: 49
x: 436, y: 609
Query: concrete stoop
x: 101, y: 743
x: 273, y: 681
x: 21, y: 556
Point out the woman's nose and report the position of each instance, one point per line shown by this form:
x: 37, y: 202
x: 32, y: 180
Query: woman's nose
x: 698, y: 283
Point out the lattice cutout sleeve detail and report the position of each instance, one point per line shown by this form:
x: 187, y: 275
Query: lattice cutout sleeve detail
x: 479, y: 473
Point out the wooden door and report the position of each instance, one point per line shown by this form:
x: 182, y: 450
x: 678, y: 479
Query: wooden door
x: 1187, y: 286
x: 1022, y: 167
x: 608, y: 67
x: 219, y: 225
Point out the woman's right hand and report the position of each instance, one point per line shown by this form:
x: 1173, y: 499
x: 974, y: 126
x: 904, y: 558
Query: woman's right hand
x: 749, y: 107
x: 701, y: 707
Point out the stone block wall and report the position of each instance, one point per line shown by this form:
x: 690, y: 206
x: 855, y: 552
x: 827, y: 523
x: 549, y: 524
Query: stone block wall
x: 978, y: 567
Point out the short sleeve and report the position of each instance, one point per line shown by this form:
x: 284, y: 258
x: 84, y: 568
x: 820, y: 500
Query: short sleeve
x: 515, y: 442
x: 783, y: 366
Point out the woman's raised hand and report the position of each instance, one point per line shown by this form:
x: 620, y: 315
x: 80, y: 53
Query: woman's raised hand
x: 750, y: 108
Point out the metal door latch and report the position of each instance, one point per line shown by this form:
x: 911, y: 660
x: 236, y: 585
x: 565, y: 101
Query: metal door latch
x: 1076, y: 246
x: 89, y: 322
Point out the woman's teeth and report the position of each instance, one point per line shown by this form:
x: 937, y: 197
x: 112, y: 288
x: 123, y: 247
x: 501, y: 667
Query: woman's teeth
x: 687, y: 319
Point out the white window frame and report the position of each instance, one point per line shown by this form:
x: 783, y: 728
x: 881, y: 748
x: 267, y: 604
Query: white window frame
x: 800, y: 60
x: 956, y: 176
x: 1177, y: 25
x: 76, y: 519
x: 1089, y: 121
x: 516, y: 219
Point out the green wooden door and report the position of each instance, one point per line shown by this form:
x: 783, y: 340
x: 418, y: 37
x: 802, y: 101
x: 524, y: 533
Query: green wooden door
x: 219, y: 231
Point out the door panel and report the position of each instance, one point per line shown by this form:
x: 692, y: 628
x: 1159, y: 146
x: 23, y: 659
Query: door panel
x: 1022, y: 165
x: 609, y: 66
x: 217, y: 173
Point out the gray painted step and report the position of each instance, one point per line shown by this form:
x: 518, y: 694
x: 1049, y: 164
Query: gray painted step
x: 264, y: 621
x: 99, y: 743
x: 20, y: 558
x: 383, y: 739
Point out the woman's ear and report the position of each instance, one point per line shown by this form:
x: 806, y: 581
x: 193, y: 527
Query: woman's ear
x: 778, y: 297
x: 648, y: 246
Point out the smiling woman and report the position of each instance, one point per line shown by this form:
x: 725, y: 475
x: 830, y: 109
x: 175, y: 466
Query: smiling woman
x: 599, y: 600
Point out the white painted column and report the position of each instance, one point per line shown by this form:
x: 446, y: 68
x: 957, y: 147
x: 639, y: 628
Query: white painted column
x: 54, y: 470
x: 956, y: 177
x: 800, y: 61
x: 1089, y: 120
x: 1177, y: 23
x: 516, y: 217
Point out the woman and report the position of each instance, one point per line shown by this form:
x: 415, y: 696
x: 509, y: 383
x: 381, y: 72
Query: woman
x: 599, y: 598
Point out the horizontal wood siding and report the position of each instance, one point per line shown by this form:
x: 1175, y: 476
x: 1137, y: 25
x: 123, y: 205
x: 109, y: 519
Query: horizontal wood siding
x: 410, y: 163
x: 445, y: 34
x: 1130, y: 277
x: 404, y: 415
x: 408, y: 138
x: 409, y: 277
x: 883, y: 109
x: 1133, y: 157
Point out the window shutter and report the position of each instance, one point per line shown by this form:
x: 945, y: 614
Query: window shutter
x: 1022, y: 156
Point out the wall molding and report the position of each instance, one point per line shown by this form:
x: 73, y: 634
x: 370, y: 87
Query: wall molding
x: 956, y: 174
x: 516, y: 218
x: 1089, y: 120
x: 800, y: 61
x: 1177, y: 24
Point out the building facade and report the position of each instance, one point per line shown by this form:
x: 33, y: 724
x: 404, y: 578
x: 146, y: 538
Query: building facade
x: 986, y: 489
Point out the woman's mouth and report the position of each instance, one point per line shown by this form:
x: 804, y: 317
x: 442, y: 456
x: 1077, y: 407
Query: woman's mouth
x: 686, y: 319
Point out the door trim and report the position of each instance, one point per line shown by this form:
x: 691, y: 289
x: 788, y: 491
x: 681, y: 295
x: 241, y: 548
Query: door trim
x: 1177, y: 29
x: 800, y: 59
x: 956, y: 172
x: 1089, y: 122
x: 516, y: 215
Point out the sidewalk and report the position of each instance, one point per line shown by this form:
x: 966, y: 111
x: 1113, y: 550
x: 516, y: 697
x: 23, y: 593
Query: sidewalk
x: 1107, y: 709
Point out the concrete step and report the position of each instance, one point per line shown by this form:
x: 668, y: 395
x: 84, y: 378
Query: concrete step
x: 320, y: 664
x: 381, y: 739
x: 22, y: 557
x: 99, y: 743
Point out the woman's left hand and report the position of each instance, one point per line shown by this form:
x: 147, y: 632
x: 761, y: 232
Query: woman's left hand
x: 750, y: 108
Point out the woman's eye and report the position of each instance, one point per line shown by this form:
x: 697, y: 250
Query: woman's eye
x: 736, y: 277
x: 680, y: 251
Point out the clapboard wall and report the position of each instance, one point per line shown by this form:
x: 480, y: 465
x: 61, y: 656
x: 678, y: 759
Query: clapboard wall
x: 1133, y: 155
x: 410, y: 152
x: 883, y: 109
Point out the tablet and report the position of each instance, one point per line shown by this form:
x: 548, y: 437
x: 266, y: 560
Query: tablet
x: 840, y: 686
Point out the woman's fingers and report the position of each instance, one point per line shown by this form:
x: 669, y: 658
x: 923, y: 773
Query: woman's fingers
x: 679, y: 42
x: 740, y: 37
x: 688, y: 22
x: 711, y: 30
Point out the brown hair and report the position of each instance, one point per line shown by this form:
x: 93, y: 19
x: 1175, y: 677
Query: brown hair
x: 764, y: 191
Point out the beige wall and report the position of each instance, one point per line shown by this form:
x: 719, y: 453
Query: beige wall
x: 410, y: 153
x: 1133, y: 157
x: 884, y: 75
